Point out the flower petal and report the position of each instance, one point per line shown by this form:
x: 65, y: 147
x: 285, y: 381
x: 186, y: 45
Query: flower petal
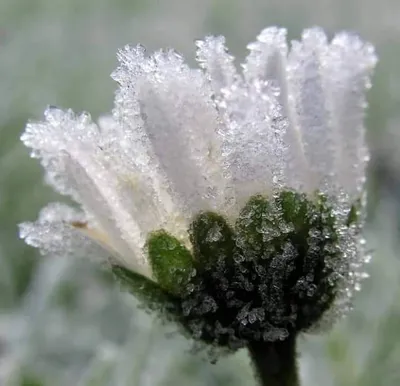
x: 267, y: 61
x: 307, y: 89
x: 267, y: 57
x: 54, y: 234
x: 252, y: 139
x: 176, y: 117
x: 348, y: 68
x: 214, y: 58
x: 50, y: 139
x: 69, y: 149
x: 140, y: 182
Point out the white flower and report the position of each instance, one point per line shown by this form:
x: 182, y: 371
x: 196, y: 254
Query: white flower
x: 181, y: 141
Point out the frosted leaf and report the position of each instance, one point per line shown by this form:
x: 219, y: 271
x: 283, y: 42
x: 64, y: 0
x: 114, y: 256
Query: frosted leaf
x: 54, y: 234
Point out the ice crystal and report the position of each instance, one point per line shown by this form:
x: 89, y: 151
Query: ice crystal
x: 225, y: 194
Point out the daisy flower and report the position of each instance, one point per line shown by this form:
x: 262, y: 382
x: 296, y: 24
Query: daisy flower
x: 231, y: 201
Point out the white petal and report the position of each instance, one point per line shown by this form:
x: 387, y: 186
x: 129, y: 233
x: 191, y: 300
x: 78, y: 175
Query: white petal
x: 307, y: 90
x: 252, y: 137
x: 176, y: 117
x: 267, y: 61
x: 54, y: 234
x: 214, y: 58
x: 348, y: 67
x: 141, y: 183
x: 50, y: 139
x: 267, y: 57
x: 68, y: 146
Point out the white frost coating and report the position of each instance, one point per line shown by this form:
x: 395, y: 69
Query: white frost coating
x: 307, y: 91
x: 253, y: 147
x: 172, y: 109
x: 347, y: 66
x: 53, y: 233
x: 267, y: 60
x: 267, y: 56
x: 213, y: 56
x: 183, y: 140
x: 79, y: 165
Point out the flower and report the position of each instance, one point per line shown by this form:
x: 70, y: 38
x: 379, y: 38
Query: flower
x: 233, y: 201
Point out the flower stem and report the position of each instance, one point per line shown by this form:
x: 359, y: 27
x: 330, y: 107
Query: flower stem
x: 275, y: 362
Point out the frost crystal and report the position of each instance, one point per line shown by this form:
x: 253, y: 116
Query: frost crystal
x: 174, y: 174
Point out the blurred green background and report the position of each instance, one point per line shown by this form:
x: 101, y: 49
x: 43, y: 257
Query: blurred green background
x: 64, y: 322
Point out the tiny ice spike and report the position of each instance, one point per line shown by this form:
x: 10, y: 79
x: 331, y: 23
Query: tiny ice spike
x: 232, y: 202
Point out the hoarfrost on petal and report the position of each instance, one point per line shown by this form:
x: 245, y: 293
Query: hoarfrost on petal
x: 267, y: 57
x: 69, y: 149
x: 176, y: 116
x: 267, y: 61
x: 252, y: 135
x: 125, y: 136
x: 307, y: 90
x: 213, y: 56
x: 348, y: 65
x: 141, y: 184
x: 54, y: 234
x: 50, y: 140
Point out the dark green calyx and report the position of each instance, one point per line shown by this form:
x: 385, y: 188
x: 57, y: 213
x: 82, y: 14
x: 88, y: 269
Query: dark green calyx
x: 267, y: 275
x: 276, y: 278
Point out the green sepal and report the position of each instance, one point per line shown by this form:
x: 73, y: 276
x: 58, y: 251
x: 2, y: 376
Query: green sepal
x: 171, y: 262
x: 295, y: 208
x: 145, y: 290
x: 326, y: 215
x: 256, y: 227
x: 304, y: 214
x: 212, y: 239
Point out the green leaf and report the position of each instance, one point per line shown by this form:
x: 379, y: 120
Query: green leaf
x: 212, y: 239
x: 172, y: 263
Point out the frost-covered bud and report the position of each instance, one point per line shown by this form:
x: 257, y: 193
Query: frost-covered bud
x: 232, y: 202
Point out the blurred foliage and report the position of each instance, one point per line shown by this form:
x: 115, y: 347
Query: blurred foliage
x: 64, y: 322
